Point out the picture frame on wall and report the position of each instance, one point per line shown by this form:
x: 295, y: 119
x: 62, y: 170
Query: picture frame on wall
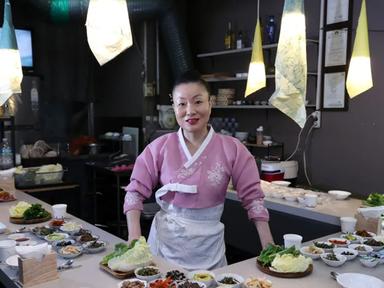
x: 336, y: 45
x: 334, y: 91
x: 337, y: 11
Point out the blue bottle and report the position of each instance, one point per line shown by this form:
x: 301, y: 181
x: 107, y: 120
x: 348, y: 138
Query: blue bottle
x: 271, y: 29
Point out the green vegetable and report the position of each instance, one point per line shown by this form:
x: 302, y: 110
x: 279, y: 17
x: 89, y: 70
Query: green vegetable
x: 268, y: 254
x: 35, y: 212
x: 120, y: 249
x: 374, y: 199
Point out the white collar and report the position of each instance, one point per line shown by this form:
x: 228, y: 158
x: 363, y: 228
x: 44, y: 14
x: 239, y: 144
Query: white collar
x: 202, y: 147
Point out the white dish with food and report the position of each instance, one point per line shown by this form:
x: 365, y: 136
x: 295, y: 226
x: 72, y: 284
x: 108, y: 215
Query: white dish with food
x: 187, y: 283
x: 312, y: 251
x: 364, y: 234
x: 229, y: 280
x: 374, y: 244
x: 147, y: 273
x: 134, y: 281
x: 369, y: 261
x: 362, y: 249
x: 339, y: 194
x: 70, y: 227
x: 70, y: 251
x: 95, y: 247
x: 357, y: 280
x: 326, y: 246
x: 347, y: 252
x: 339, y: 242
x: 352, y: 238
x: 334, y: 260
x: 204, y: 276
x: 56, y: 236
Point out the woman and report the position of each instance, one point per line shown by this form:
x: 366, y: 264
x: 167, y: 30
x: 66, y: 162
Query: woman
x: 193, y: 167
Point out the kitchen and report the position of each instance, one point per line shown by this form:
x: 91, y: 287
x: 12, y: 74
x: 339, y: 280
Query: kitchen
x: 69, y: 87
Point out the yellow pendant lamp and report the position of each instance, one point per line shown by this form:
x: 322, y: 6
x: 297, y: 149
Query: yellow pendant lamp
x: 11, y: 72
x: 359, y: 78
x: 256, y: 72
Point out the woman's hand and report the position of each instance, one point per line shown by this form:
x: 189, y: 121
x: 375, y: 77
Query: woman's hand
x: 133, y: 222
x: 264, y: 233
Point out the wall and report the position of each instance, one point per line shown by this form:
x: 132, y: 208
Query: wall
x: 346, y: 152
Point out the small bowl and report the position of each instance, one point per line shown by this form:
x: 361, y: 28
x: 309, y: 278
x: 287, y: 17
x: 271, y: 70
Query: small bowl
x: 160, y: 283
x: 204, y: 276
x: 334, y: 263
x: 281, y: 183
x: 346, y: 250
x: 367, y: 249
x: 56, y: 236
x: 339, y: 242
x: 181, y: 283
x: 70, y: 227
x: 374, y: 247
x: 12, y: 261
x: 339, y: 194
x: 120, y: 284
x: 82, y: 239
x: 148, y: 278
x: 89, y: 249
x: 63, y: 251
x: 290, y: 197
x: 18, y: 236
x: 371, y: 234
x: 306, y: 251
x: 62, y: 243
x: 257, y: 282
x: 2, y: 228
x: 236, y: 277
x: 368, y: 261
x: 352, y: 238
x: 326, y: 246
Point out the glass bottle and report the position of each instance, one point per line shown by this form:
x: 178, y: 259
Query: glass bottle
x: 271, y: 29
x: 229, y: 38
x: 239, y: 40
x: 34, y: 97
x: 6, y: 157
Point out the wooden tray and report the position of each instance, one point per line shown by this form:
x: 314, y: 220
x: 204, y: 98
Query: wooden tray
x: 268, y: 271
x: 31, y: 221
x: 119, y: 274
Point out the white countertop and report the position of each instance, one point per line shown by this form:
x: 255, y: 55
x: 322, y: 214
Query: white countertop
x: 328, y: 211
x: 90, y: 275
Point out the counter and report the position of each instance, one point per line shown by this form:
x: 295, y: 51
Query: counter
x: 90, y: 276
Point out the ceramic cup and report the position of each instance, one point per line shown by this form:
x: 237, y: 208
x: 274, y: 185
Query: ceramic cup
x: 310, y: 200
x: 59, y: 211
x: 347, y: 224
x: 292, y: 240
x: 7, y: 248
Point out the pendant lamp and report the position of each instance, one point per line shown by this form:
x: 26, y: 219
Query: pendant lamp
x: 256, y: 72
x: 11, y: 72
x: 108, y: 28
x: 359, y: 78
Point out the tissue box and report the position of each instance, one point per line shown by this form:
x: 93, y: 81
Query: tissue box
x: 367, y: 223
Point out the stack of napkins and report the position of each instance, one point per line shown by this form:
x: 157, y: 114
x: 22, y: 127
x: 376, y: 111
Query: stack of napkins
x: 36, y: 251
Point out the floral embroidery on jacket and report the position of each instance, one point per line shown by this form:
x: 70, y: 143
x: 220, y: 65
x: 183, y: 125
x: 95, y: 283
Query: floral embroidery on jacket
x: 216, y: 174
x: 132, y: 198
x: 257, y: 209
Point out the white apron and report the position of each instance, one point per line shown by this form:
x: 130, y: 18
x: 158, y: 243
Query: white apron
x: 190, y: 238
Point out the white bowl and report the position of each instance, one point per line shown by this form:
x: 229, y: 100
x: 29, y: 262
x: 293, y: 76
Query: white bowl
x: 120, y: 284
x: 70, y: 255
x: 60, y: 244
x: 56, y: 236
x: 201, y: 284
x: 320, y: 244
x: 365, y: 237
x: 334, y: 263
x: 147, y: 278
x: 236, y: 277
x: 369, y: 261
x: 198, y: 275
x: 352, y: 238
x: 12, y: 261
x: 339, y: 242
x: 339, y: 194
x: 88, y: 248
x: 357, y: 280
x: 367, y: 249
x: 281, y: 183
x: 2, y: 228
x: 346, y: 250
x: 306, y: 251
x: 374, y: 247
x: 290, y: 197
x: 70, y: 227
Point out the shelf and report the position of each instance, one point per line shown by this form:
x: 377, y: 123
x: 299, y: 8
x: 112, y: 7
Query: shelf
x: 274, y: 144
x: 253, y: 107
x: 247, y: 49
x: 229, y: 79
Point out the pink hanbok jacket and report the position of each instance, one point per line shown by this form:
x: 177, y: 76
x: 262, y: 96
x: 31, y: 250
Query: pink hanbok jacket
x: 219, y: 158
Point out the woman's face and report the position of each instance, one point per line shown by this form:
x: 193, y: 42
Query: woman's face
x: 192, y: 107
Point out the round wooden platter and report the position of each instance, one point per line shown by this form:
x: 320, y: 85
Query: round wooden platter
x: 268, y: 271
x: 30, y: 221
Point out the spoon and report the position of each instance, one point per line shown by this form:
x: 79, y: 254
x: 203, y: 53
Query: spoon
x: 334, y: 275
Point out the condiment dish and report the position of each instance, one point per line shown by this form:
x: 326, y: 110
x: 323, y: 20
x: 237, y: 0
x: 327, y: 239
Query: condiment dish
x: 187, y: 284
x: 339, y: 194
x: 339, y: 242
x: 351, y: 238
x: 369, y: 261
x: 95, y: 247
x: 229, y: 280
x: 70, y: 251
x: 312, y: 251
x: 326, y: 246
x: 12, y: 261
x: 336, y: 262
x: 56, y: 236
x: 140, y: 283
x: 147, y: 273
x: 362, y: 249
x: 204, y: 276
x: 347, y: 252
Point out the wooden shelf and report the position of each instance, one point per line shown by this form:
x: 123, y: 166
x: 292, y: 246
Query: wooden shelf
x: 243, y: 50
x: 253, y: 106
x: 229, y: 79
x: 274, y: 144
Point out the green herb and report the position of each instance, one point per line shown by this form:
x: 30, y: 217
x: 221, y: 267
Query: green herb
x: 374, y: 199
x: 120, y: 249
x: 35, y: 212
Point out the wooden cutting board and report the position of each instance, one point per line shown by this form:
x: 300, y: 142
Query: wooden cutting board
x: 268, y: 271
x: 30, y: 221
x: 119, y: 274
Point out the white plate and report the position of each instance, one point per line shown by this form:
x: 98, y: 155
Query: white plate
x: 357, y: 280
x: 13, y: 261
x: 338, y: 194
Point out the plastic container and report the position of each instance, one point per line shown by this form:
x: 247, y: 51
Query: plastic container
x: 29, y: 177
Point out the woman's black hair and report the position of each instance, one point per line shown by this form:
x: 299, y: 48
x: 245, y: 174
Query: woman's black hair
x: 191, y: 76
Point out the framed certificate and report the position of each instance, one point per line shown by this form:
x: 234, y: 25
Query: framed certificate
x: 334, y: 94
x: 336, y: 44
x: 337, y: 11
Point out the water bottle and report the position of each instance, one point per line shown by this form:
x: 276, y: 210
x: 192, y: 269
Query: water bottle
x: 271, y: 29
x: 34, y: 97
x: 6, y: 159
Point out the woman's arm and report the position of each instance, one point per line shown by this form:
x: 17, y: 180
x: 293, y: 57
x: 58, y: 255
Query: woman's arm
x: 265, y: 234
x: 133, y: 222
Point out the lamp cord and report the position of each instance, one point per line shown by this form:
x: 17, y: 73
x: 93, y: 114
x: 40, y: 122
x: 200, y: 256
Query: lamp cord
x: 305, y: 157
